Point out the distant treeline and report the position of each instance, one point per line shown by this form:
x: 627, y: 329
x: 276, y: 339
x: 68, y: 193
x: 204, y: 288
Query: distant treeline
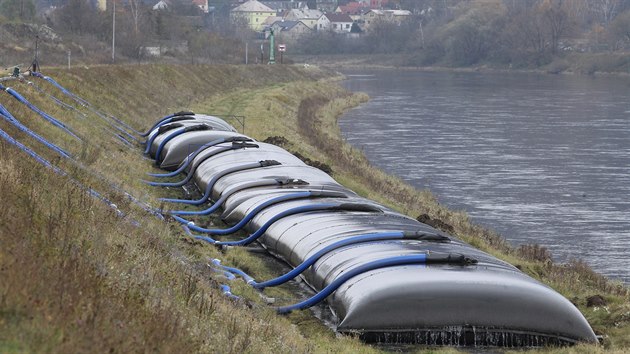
x: 510, y: 33
x: 517, y: 33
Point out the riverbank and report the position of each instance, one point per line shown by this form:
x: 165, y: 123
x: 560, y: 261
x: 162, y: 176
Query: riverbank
x: 570, y: 64
x: 77, y: 278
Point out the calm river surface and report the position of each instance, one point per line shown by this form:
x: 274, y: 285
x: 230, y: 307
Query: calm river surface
x: 538, y: 158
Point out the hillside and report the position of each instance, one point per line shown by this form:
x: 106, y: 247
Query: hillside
x: 78, y: 276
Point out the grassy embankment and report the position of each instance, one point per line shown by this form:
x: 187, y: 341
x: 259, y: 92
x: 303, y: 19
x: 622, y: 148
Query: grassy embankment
x: 75, y: 277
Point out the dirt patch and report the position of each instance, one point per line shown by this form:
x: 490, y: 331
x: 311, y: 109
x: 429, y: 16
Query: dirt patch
x: 283, y: 142
x: 437, y: 223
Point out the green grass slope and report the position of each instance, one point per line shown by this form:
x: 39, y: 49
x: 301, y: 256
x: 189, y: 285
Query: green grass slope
x: 75, y: 277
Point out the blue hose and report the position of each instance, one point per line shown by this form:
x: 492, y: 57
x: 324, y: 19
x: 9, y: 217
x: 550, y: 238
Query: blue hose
x: 166, y: 140
x: 81, y: 102
x: 249, y: 216
x: 61, y: 88
x: 225, y: 196
x: 219, y: 175
x: 165, y: 120
x: 258, y: 233
x: 188, y: 129
x: 188, y: 159
x: 234, y: 146
x: 152, y: 138
x: 58, y: 171
x: 381, y: 263
x: 55, y: 99
x: 365, y: 238
x: 85, y: 103
x: 230, y: 191
x: 42, y: 114
x: 312, y: 259
x: 233, y: 271
x: 6, y: 114
x: 190, y: 174
x: 11, y: 119
x: 225, y: 289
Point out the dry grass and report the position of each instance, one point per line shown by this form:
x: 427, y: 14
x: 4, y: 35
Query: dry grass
x: 313, y: 132
x: 77, y: 278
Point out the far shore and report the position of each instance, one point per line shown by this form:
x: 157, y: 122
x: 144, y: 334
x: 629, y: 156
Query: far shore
x: 379, y: 62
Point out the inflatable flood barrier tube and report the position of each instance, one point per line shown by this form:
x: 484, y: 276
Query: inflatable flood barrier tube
x: 217, y: 163
x: 485, y: 303
x: 490, y: 295
x: 310, y: 175
x: 167, y: 131
x: 180, y: 147
x: 218, y: 123
x: 242, y: 196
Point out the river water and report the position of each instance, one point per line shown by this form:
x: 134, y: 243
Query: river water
x: 538, y: 158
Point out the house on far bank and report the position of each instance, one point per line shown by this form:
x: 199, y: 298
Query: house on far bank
x: 290, y: 31
x: 308, y: 16
x: 373, y: 17
x: 161, y: 5
x: 335, y: 22
x: 253, y: 13
x: 326, y: 5
x: 166, y: 4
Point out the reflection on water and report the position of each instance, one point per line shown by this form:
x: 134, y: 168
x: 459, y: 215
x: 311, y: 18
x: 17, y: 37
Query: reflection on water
x: 539, y: 158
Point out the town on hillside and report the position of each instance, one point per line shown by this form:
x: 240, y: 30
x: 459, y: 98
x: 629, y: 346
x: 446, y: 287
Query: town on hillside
x: 509, y: 33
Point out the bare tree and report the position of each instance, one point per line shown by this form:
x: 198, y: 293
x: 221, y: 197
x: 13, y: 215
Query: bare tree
x: 556, y: 19
x: 605, y: 10
x: 135, y: 13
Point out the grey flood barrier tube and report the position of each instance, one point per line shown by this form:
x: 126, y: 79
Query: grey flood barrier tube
x: 263, y: 182
x: 193, y: 166
x: 181, y: 150
x: 383, y: 290
x: 156, y: 137
x: 354, y: 240
x: 217, y: 176
x: 325, y: 207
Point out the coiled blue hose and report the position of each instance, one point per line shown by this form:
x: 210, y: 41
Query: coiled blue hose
x: 219, y: 175
x: 41, y: 113
x: 11, y: 119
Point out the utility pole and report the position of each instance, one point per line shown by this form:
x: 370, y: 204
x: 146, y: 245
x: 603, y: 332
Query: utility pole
x: 35, y: 66
x: 246, y: 52
x: 114, y: 31
x: 272, y: 44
